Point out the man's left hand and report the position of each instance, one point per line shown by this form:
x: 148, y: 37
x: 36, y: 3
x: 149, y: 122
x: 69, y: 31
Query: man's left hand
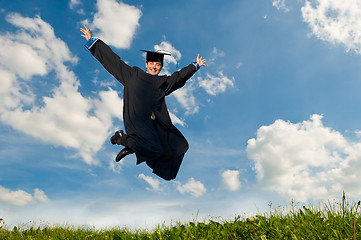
x: 201, y: 61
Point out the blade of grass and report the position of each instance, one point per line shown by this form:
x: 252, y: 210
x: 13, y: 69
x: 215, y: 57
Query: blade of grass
x: 354, y: 221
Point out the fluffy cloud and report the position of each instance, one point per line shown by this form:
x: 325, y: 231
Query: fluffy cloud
x: 305, y: 160
x: 214, y: 85
x: 116, y: 22
x: 187, y: 99
x: 230, y: 180
x: 280, y: 4
x: 335, y: 21
x: 40, y: 195
x: 176, y: 120
x: 61, y: 116
x: 154, y: 183
x: 196, y: 188
x: 74, y: 3
x: 215, y: 54
x: 21, y: 198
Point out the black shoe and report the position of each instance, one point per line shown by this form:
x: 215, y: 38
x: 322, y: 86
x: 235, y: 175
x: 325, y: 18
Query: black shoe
x: 115, y: 139
x: 124, y: 152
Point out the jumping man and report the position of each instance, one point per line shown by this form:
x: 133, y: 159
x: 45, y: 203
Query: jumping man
x: 150, y: 133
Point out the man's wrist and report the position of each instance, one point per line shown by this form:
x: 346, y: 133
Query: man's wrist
x: 91, y: 42
x: 196, y: 65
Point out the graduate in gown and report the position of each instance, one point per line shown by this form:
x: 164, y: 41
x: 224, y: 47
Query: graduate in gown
x: 150, y: 133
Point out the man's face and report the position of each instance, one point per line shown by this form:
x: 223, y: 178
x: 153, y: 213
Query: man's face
x: 153, y: 68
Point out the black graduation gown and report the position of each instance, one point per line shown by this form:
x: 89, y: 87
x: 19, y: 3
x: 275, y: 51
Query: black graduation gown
x: 157, y: 142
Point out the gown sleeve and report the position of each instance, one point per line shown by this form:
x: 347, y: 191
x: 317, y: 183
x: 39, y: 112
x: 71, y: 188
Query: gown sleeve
x: 179, y: 78
x: 111, y: 61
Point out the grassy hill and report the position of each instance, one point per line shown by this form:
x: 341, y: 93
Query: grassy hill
x: 331, y: 221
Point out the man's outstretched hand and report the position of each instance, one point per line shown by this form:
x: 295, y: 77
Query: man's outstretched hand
x: 201, y: 62
x: 86, y: 33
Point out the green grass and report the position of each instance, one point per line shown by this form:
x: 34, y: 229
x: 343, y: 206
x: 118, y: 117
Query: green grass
x: 331, y: 221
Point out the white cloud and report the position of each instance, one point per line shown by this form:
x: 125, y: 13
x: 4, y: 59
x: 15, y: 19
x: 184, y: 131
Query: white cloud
x: 22, y: 59
x: 280, y: 4
x: 187, y: 99
x: 335, y: 21
x: 65, y: 118
x: 104, y: 106
x: 239, y: 64
x: 196, y: 188
x: 154, y: 183
x: 116, y: 167
x: 176, y: 120
x: 305, y: 160
x: 358, y: 133
x: 20, y: 197
x: 40, y: 195
x: 215, y: 54
x: 74, y: 3
x: 214, y: 85
x: 116, y: 22
x: 230, y: 180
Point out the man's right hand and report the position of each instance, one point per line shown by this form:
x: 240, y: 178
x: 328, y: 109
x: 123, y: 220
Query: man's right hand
x: 86, y: 33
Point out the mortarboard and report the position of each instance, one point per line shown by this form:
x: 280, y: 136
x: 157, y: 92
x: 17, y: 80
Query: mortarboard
x: 157, y: 56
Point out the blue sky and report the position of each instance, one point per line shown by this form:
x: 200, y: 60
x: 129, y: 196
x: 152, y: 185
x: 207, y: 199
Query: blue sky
x: 274, y: 117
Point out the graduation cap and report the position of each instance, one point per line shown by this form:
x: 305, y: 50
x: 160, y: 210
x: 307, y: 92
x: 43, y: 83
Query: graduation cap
x: 157, y: 56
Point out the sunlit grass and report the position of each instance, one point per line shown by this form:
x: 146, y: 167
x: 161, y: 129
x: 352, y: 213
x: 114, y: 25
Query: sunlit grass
x: 331, y: 221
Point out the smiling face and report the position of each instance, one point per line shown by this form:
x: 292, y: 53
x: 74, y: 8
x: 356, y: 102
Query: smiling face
x: 154, y: 68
